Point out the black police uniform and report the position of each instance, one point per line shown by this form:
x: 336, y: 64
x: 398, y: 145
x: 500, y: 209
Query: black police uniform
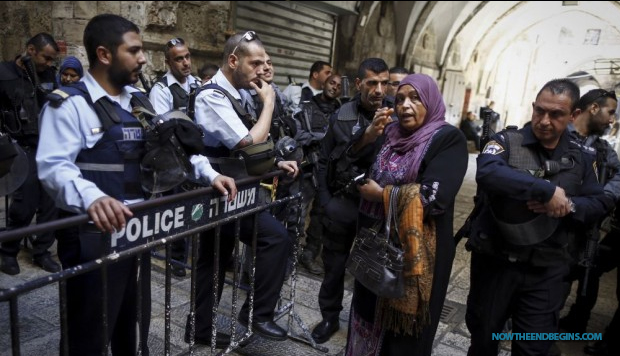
x: 607, y: 257
x: 340, y: 201
x: 520, y: 259
x: 316, y: 114
x: 20, y: 103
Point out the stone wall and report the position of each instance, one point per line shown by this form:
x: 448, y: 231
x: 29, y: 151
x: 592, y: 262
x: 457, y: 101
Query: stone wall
x: 204, y: 25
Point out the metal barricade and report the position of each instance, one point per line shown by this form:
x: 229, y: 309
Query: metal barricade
x: 155, y: 224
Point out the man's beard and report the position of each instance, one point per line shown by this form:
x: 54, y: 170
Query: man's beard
x: 120, y: 76
x: 597, y: 130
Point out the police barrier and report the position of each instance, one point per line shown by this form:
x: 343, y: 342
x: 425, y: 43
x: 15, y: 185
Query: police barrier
x: 155, y: 223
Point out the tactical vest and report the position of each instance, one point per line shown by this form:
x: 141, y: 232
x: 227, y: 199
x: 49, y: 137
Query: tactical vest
x: 280, y: 120
x: 518, y: 225
x: 255, y: 159
x: 20, y: 111
x: 113, y: 163
x: 340, y: 170
x: 180, y: 98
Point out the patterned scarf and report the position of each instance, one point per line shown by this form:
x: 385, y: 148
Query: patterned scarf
x: 418, y: 240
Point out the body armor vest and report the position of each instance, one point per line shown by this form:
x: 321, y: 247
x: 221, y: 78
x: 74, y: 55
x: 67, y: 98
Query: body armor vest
x: 519, y: 225
x: 113, y: 164
x: 180, y: 98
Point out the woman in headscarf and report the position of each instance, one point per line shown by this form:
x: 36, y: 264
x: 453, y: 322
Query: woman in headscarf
x: 70, y: 71
x: 427, y: 158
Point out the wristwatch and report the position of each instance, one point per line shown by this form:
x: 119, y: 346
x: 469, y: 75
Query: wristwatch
x: 571, y: 203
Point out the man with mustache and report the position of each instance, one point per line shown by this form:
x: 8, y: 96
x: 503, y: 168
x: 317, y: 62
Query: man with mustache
x: 539, y: 188
x: 337, y: 195
x: 89, y: 161
x: 171, y: 92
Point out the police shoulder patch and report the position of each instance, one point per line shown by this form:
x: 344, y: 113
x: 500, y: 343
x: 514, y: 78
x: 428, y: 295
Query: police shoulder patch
x: 493, y: 147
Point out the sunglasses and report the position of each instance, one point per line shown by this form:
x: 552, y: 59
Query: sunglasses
x: 248, y: 36
x: 174, y: 42
x: 605, y: 93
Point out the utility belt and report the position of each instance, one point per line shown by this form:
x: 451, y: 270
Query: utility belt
x: 540, y: 255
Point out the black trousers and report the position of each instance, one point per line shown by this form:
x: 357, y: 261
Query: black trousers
x: 30, y: 199
x: 85, y: 298
x: 608, y: 259
x: 340, y: 224
x: 272, y: 250
x: 499, y: 289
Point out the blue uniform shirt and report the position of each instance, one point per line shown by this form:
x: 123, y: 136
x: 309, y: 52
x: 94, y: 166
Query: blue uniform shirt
x: 72, y: 127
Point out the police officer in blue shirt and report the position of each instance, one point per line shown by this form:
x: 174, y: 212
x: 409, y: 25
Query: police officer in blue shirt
x: 89, y: 162
x: 538, y: 187
x: 225, y: 130
x: 171, y: 92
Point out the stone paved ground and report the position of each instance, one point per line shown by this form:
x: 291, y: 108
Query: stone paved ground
x: 39, y: 321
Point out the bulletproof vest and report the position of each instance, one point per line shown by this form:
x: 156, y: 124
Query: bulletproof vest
x: 113, y: 164
x: 340, y: 169
x: 518, y: 225
x: 255, y: 159
x: 25, y: 95
x: 318, y: 114
x: 306, y: 94
x: 280, y: 125
x: 180, y: 98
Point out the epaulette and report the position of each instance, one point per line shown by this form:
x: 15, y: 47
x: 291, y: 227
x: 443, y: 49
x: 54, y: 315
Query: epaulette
x: 584, y: 148
x: 56, y: 97
x: 161, y: 84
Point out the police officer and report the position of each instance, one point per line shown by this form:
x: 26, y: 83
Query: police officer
x: 24, y: 84
x: 171, y: 92
x: 338, y: 196
x: 281, y: 125
x: 597, y: 109
x: 227, y: 129
x: 319, y: 71
x: 312, y: 122
x: 539, y: 187
x: 78, y: 162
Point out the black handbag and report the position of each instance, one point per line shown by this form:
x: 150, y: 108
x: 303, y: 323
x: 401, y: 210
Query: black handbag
x: 377, y: 259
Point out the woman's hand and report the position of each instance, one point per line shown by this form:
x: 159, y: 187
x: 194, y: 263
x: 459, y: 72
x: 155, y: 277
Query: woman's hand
x: 371, y: 191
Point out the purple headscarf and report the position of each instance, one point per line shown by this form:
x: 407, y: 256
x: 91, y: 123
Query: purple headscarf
x: 413, y: 144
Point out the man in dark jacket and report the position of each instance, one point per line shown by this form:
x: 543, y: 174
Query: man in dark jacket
x: 539, y: 187
x: 24, y: 84
x: 338, y: 197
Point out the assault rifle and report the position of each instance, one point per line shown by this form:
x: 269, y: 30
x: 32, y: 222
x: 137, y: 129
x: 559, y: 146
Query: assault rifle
x: 312, y: 156
x: 465, y: 230
x: 592, y: 238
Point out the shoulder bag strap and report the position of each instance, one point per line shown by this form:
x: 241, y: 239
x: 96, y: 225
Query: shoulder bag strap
x: 392, y: 216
